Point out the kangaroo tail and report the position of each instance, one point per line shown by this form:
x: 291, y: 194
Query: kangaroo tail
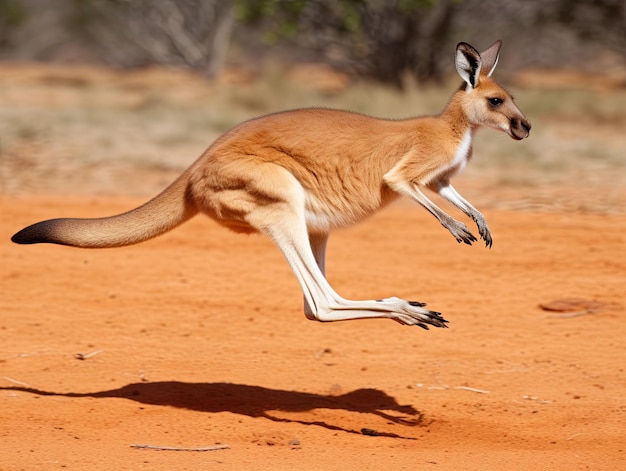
x: 164, y: 212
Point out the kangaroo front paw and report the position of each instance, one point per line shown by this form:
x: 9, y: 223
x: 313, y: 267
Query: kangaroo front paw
x: 461, y: 233
x: 485, y: 234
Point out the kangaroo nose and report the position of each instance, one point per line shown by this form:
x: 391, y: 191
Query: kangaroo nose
x: 525, y: 124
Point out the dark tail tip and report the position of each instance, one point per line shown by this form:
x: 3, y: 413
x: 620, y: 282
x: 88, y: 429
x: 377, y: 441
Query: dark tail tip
x: 25, y: 236
x: 17, y: 238
x: 37, y: 233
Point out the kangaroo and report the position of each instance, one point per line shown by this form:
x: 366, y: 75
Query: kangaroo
x: 296, y: 175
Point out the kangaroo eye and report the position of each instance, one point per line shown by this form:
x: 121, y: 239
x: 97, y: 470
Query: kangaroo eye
x: 495, y: 101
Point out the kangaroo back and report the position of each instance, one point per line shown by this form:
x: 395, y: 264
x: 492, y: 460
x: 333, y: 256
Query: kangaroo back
x: 170, y: 208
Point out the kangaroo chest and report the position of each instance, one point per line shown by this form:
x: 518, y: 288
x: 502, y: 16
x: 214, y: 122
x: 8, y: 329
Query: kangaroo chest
x: 463, y: 153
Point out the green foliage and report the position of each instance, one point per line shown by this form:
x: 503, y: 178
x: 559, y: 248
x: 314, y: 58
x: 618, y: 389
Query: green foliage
x: 381, y: 39
x: 12, y: 15
x: 250, y: 11
x: 286, y: 15
x: 282, y: 18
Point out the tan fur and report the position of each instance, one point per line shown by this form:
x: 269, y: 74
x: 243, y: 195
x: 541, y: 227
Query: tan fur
x: 297, y: 175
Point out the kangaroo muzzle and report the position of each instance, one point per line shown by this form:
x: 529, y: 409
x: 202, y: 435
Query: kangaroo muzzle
x: 520, y: 128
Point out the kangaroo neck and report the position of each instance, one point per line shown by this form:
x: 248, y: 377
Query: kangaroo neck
x: 457, y: 119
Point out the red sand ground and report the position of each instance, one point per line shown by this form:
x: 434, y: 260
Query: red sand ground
x: 197, y: 338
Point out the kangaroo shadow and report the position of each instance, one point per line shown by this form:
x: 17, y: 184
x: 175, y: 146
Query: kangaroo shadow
x: 257, y: 401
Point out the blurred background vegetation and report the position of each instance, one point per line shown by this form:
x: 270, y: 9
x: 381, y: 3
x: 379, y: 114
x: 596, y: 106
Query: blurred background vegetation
x: 386, y: 40
x: 127, y: 93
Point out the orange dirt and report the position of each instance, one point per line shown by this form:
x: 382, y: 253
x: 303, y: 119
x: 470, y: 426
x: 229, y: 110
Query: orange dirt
x: 197, y: 338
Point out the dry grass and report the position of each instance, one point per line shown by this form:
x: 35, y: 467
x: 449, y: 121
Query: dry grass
x: 87, y: 130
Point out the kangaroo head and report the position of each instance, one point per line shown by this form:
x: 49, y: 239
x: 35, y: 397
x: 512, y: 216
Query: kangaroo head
x: 484, y: 101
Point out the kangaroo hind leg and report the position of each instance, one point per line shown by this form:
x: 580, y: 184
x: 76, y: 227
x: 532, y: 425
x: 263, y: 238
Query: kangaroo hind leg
x: 318, y: 242
x: 284, y: 222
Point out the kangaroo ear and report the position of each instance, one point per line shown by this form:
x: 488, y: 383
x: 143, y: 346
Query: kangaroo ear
x: 490, y: 57
x: 468, y: 63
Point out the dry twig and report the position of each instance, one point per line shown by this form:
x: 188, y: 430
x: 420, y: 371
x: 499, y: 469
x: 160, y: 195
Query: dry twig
x: 467, y: 388
x: 175, y: 448
x: 86, y: 356
x: 19, y: 383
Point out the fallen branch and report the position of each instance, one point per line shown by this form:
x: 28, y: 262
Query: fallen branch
x: 175, y: 448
